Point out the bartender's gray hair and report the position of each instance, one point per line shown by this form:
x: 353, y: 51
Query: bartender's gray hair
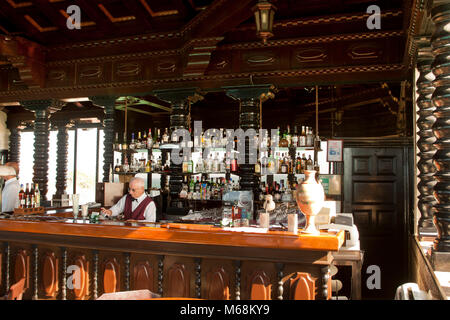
x: 136, y: 181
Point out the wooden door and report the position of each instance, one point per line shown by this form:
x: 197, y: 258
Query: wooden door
x: 376, y: 191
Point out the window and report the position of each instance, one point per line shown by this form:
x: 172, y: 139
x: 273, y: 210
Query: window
x: 83, y: 171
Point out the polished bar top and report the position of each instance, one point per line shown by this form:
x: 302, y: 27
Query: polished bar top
x: 61, y: 224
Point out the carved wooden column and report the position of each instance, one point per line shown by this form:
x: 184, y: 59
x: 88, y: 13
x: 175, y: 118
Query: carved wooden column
x: 179, y: 119
x: 60, y: 198
x: 426, y: 140
x: 41, y: 144
x: 14, y: 145
x: 108, y: 102
x: 249, y: 113
x: 440, y: 43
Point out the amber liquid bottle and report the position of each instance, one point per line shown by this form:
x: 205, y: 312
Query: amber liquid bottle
x: 21, y: 197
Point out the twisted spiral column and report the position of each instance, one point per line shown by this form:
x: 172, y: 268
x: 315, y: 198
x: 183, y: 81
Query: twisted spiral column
x: 61, y: 158
x: 426, y: 137
x: 440, y: 43
x: 14, y: 145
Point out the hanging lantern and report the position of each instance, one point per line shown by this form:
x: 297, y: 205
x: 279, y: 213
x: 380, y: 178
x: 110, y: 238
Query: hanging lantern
x: 264, y: 12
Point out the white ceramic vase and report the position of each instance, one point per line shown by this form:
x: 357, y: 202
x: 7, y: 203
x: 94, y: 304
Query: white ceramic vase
x: 310, y: 197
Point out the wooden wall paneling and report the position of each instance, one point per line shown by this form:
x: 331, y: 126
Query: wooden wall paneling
x: 20, y: 265
x: 111, y: 272
x: 302, y: 286
x: 78, y: 282
x: 179, y: 277
x: 258, y: 279
x: 144, y: 272
x: 49, y: 270
x: 2, y: 269
x: 291, y: 271
x: 218, y: 279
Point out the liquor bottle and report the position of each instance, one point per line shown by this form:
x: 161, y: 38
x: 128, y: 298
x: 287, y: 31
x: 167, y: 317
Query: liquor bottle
x: 37, y: 196
x: 299, y: 167
x: 21, y: 197
x: 157, y: 141
x: 165, y: 137
x: 310, y: 138
x: 149, y: 139
x: 117, y: 168
x: 132, y: 142
x: 138, y: 143
x: 124, y: 143
x: 283, y: 141
x: 302, y: 138
x: 283, y: 165
x: 126, y: 166
x: 33, y: 200
x: 117, y: 145
x: 144, y: 141
x: 185, y: 165
x: 258, y: 166
x: 288, y: 136
x: 27, y: 196
x: 190, y: 165
x: 309, y: 163
x: 148, y: 167
x: 304, y: 162
x: 295, y: 137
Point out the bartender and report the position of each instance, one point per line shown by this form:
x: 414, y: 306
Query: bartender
x: 11, y: 189
x: 136, y: 204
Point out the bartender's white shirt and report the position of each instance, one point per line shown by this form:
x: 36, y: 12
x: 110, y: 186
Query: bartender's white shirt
x: 10, y: 195
x: 149, y: 213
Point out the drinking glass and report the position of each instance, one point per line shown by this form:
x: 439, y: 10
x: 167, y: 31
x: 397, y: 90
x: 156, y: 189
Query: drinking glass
x: 75, y: 206
x: 84, y: 210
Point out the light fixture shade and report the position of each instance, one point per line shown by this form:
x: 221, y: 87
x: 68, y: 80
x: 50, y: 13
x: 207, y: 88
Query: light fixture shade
x: 264, y: 13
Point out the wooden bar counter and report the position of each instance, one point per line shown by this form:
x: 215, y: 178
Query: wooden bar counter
x: 63, y: 259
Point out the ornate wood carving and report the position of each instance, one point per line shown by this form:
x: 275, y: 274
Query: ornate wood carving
x: 302, y: 286
x: 7, y: 266
x: 50, y: 272
x: 143, y: 276
x: 218, y: 284
x: 81, y: 290
x: 440, y: 43
x: 64, y: 274
x: 95, y: 275
x: 178, y: 281
x: 22, y: 267
x: 27, y: 57
x: 61, y: 158
x: 198, y: 278
x: 108, y: 154
x: 426, y: 138
x: 280, y: 267
x: 260, y: 286
x: 14, y: 145
x: 237, y: 275
x: 160, y: 274
x: 111, y: 276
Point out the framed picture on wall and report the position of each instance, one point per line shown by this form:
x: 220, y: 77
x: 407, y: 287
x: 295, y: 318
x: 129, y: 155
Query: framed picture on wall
x: 334, y: 150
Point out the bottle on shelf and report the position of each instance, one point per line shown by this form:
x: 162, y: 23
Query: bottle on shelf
x: 132, y: 142
x: 149, y: 139
x: 144, y: 141
x: 309, y: 138
x: 27, y: 196
x: 22, y: 197
x: 124, y: 142
x: 37, y: 196
x: 165, y: 136
x: 117, y: 144
x: 156, y: 139
x: 295, y: 137
x: 138, y: 143
x: 304, y: 162
x: 309, y: 163
x: 302, y: 138
x: 118, y: 167
x: 288, y: 136
x: 148, y: 167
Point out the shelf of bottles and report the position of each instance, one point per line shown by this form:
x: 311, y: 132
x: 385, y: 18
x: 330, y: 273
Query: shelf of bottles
x: 208, y: 176
x: 30, y: 197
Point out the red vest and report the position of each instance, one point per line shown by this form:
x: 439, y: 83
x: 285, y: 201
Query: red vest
x: 138, y: 213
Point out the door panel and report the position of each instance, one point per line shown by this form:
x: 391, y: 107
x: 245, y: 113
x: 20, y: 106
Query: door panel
x: 374, y: 184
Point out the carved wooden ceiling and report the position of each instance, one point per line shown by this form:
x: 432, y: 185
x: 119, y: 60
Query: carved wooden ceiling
x: 127, y: 47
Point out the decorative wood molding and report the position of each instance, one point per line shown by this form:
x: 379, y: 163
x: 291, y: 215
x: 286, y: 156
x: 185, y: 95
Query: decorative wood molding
x: 218, y: 284
x: 178, y: 281
x: 260, y: 286
x: 50, y: 272
x: 143, y: 276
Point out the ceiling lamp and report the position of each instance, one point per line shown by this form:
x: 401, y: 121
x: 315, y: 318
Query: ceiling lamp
x: 264, y: 12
